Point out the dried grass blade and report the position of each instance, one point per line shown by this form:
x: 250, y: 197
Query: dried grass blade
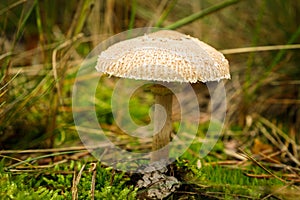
x: 261, y: 166
x: 39, y: 157
x: 54, y: 62
x: 76, y: 182
x: 260, y: 48
x: 278, y: 131
x: 93, y: 183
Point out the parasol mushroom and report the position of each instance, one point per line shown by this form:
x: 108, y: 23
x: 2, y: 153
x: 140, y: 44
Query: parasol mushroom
x: 163, y: 56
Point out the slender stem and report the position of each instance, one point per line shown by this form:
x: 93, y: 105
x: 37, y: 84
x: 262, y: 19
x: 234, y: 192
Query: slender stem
x: 162, y: 123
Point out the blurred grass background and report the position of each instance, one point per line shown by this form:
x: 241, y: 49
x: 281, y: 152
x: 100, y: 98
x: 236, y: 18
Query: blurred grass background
x: 43, y: 42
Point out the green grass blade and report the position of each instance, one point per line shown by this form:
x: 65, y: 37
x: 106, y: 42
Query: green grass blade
x: 27, y: 11
x: 165, y: 13
x: 282, y: 52
x: 39, y: 21
x: 276, y: 60
x: 201, y: 14
x: 255, y: 40
x: 86, y: 9
x: 132, y: 14
x: 81, y: 14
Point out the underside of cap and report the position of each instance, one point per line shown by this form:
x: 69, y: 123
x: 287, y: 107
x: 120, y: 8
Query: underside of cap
x: 164, y: 56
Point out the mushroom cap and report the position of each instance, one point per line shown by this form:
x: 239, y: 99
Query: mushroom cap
x: 164, y: 56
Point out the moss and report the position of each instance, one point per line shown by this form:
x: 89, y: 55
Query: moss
x: 57, y: 184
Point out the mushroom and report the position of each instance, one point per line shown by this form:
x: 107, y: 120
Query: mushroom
x: 164, y: 56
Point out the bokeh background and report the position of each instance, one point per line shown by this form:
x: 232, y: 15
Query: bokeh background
x: 43, y: 43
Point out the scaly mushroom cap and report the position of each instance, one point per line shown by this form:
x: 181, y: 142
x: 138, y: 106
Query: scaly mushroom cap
x: 164, y: 56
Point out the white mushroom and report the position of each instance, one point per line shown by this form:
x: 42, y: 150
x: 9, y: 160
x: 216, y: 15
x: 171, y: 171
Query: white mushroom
x: 167, y: 56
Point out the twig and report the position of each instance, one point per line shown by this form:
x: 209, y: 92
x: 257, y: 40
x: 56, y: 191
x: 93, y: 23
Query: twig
x: 76, y: 182
x: 43, y: 150
x: 223, y: 194
x: 280, y: 144
x: 41, y: 166
x: 74, y: 189
x: 288, y: 176
x: 261, y: 166
x: 234, y: 154
x: 279, y: 131
x: 270, y: 157
x: 276, y: 191
x: 45, y: 172
x: 225, y: 162
x: 64, y: 149
x: 39, y: 157
x: 269, y: 136
x: 93, y: 169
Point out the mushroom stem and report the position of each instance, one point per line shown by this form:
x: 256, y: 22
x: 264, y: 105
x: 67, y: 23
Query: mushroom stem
x: 162, y: 123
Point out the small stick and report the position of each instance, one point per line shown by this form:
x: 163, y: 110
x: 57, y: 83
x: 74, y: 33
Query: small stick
x: 276, y: 191
x: 261, y: 166
x: 76, y: 182
x: 93, y: 169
